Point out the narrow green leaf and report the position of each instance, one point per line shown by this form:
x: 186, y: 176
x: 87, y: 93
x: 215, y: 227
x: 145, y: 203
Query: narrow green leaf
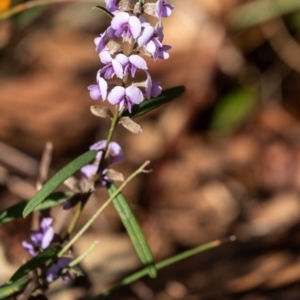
x: 9, y: 289
x: 16, y: 210
x: 58, y: 179
x: 148, y: 105
x: 134, y: 230
x: 34, y: 263
x: 105, y: 10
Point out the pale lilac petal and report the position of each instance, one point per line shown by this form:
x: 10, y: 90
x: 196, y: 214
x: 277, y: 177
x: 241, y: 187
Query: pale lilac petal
x: 47, y: 238
x: 145, y: 36
x: 144, y: 21
x: 45, y: 223
x: 118, y: 22
x: 98, y: 146
x: 135, y: 26
x: 163, y: 10
x: 36, y: 237
x: 151, y: 46
x: 115, y: 153
x: 159, y: 31
x: 122, y: 59
x: 103, y: 88
x: 156, y: 89
x: 89, y: 171
x: 138, y: 62
x: 118, y: 69
x: 116, y: 95
x: 95, y: 93
x: 134, y: 94
x: 29, y: 248
x: 105, y: 57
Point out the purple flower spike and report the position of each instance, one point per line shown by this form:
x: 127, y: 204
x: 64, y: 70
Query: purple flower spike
x: 55, y: 270
x: 111, y: 5
x: 40, y: 238
x: 125, y: 97
x: 163, y: 10
x: 126, y: 26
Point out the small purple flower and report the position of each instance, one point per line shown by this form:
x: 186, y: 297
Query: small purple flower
x: 40, y: 238
x: 112, y: 66
x: 98, y: 90
x: 111, y: 5
x: 101, y: 41
x: 152, y: 89
x: 126, y: 26
x: 56, y: 270
x: 151, y: 38
x: 114, y: 155
x: 163, y: 10
x: 131, y: 64
x: 125, y: 97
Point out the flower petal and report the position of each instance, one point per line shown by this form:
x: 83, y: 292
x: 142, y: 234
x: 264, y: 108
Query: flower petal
x: 116, y: 95
x: 134, y: 94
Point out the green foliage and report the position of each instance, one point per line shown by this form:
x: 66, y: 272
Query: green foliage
x: 255, y: 12
x: 233, y: 109
x: 16, y: 210
x: 134, y: 230
x: 36, y: 262
x: 148, y: 105
x: 58, y: 179
x: 9, y: 289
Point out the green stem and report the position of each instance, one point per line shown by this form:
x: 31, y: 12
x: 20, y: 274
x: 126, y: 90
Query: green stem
x: 162, y: 264
x: 83, y: 255
x: 93, y: 218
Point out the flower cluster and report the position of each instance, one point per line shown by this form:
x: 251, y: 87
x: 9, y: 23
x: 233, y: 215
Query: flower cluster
x: 40, y: 239
x: 129, y: 24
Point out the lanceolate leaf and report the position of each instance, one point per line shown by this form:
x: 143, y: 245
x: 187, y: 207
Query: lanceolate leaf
x: 105, y: 10
x: 8, y: 290
x: 16, y: 210
x: 58, y: 179
x: 148, y: 105
x: 34, y: 263
x: 134, y: 230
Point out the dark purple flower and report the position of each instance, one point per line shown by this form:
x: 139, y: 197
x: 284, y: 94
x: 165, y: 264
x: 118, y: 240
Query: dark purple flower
x: 125, y: 97
x: 163, y: 10
x: 126, y: 26
x: 56, y: 270
x: 114, y: 155
x: 40, y: 239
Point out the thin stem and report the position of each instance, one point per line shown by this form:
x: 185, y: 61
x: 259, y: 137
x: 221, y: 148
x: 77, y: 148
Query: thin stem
x: 106, y: 203
x: 164, y: 263
x: 77, y: 260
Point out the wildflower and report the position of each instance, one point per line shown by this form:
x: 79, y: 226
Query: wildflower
x: 98, y: 90
x: 125, y: 97
x: 40, y: 239
x: 112, y: 66
x: 126, y: 26
x: 114, y: 155
x: 163, y: 10
x: 57, y: 270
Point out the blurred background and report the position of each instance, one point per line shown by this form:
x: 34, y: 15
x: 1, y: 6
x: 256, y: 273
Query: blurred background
x: 225, y: 155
